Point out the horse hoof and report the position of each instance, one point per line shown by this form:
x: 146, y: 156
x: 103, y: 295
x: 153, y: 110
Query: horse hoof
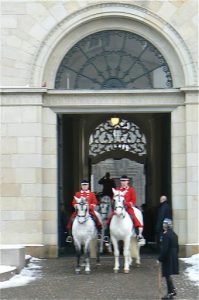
x: 137, y: 265
x: 87, y: 272
x: 126, y: 271
x: 77, y: 272
x: 116, y: 271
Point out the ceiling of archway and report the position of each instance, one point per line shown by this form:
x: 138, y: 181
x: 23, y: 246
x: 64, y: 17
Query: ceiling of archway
x: 113, y: 59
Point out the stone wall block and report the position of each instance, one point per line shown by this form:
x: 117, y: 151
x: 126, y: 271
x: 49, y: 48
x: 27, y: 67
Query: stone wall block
x: 49, y: 145
x: 49, y: 227
x: 49, y: 161
x: 26, y: 161
x: 31, y: 190
x: 8, y: 175
x: 179, y: 203
x: 178, y: 145
x: 26, y: 175
x: 49, y: 190
x: 49, y: 203
x: 179, y: 175
x: 24, y: 129
x: 49, y: 116
x: 10, y: 189
x: 21, y: 203
x: 49, y: 176
x: 29, y: 145
x: 8, y: 145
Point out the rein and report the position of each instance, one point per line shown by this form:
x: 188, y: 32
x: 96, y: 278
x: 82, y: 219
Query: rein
x: 86, y: 215
x: 121, y: 206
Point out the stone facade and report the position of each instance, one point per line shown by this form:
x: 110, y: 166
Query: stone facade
x: 35, y: 37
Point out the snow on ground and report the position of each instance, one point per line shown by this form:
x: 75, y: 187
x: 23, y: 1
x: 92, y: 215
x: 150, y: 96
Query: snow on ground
x: 33, y: 271
x: 193, y: 271
x: 28, y: 274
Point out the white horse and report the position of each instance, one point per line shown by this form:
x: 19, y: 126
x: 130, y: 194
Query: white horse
x: 83, y: 231
x: 122, y: 229
x: 104, y: 210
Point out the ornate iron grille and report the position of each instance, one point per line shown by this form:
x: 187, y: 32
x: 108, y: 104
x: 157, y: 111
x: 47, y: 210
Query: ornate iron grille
x: 113, y: 59
x: 125, y: 136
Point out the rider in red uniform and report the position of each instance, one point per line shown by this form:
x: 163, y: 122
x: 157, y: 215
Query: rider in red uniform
x: 92, y: 202
x: 130, y: 201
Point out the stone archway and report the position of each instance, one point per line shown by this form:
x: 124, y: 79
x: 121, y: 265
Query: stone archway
x: 113, y: 16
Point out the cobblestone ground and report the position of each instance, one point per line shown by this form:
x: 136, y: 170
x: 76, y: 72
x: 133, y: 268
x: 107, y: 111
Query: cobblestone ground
x: 59, y: 281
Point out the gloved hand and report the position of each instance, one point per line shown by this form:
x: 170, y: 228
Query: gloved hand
x: 128, y: 204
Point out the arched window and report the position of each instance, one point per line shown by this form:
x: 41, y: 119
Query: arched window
x: 124, y: 136
x: 113, y: 59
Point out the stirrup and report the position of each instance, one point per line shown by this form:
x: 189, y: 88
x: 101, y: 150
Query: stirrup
x: 141, y: 240
x: 99, y: 236
x: 106, y: 239
x: 69, y: 239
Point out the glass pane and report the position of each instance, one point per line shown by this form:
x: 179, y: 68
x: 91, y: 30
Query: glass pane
x: 113, y: 59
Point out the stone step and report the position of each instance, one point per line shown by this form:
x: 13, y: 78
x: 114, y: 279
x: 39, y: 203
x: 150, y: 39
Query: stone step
x: 13, y: 255
x: 7, y: 272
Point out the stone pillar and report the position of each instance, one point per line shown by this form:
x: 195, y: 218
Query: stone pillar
x: 178, y: 169
x: 192, y: 170
x: 49, y: 182
x: 21, y: 149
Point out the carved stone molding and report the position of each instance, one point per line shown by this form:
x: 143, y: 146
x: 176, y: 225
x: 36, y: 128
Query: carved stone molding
x: 99, y: 10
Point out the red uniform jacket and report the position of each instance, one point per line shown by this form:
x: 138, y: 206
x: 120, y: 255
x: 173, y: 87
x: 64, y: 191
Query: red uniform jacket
x: 130, y: 195
x: 92, y: 201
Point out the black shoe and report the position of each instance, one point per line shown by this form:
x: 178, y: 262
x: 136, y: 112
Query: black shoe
x: 174, y: 292
x: 168, y: 296
x: 69, y: 239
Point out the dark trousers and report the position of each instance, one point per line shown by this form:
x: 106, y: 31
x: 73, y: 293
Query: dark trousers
x: 169, y: 282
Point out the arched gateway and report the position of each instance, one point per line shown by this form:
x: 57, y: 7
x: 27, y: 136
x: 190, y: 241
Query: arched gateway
x: 120, y: 66
x: 94, y: 63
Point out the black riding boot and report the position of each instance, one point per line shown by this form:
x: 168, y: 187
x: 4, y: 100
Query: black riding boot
x: 69, y: 238
x: 107, y: 235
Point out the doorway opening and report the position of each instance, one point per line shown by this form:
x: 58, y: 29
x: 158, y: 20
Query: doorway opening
x: 150, y: 173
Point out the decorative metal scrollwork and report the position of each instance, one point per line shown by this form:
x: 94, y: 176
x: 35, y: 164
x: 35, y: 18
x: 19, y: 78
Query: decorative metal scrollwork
x: 125, y: 136
x: 113, y: 59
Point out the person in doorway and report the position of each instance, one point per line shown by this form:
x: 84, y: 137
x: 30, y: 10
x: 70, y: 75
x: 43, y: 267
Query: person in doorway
x: 169, y: 257
x: 108, y: 184
x: 130, y: 202
x: 92, y: 202
x: 163, y: 213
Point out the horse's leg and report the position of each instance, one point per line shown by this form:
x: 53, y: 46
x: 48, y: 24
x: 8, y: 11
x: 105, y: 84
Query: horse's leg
x: 78, y: 254
x: 126, y: 253
x: 87, y: 257
x: 98, y: 245
x: 138, y: 255
x: 116, y: 254
x: 102, y: 241
x: 135, y: 251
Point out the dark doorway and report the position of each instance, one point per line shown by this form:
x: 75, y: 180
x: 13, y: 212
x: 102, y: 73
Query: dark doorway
x: 75, y: 163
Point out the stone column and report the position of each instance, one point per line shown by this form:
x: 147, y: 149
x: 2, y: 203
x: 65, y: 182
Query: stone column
x: 192, y: 170
x: 49, y: 182
x: 178, y: 169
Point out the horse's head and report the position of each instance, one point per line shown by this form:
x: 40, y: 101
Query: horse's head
x: 118, y: 197
x: 82, y: 209
x: 105, y: 207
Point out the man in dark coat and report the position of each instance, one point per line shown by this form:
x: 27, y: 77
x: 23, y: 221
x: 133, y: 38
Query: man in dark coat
x: 163, y: 213
x: 108, y: 183
x: 169, y: 257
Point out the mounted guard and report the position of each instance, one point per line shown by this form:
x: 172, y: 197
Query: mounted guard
x: 84, y: 231
x: 130, y: 202
x: 92, y: 202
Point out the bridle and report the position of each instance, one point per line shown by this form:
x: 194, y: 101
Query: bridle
x: 82, y: 211
x: 119, y: 206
